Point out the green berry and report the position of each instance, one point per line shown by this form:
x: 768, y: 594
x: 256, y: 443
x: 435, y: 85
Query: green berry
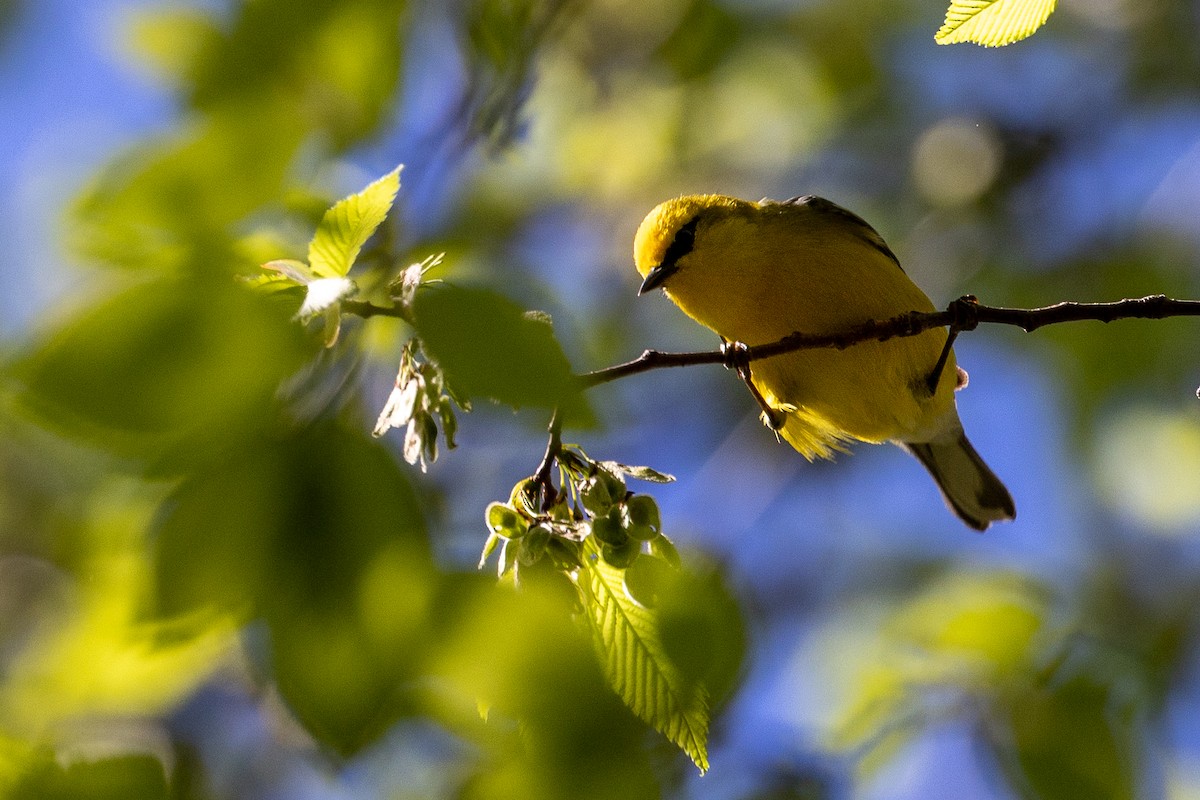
x: 503, y: 520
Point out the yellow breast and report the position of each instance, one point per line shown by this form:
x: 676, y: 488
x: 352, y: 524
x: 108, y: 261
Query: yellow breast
x: 758, y: 272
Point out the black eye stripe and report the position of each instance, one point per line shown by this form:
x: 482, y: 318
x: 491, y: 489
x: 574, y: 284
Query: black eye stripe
x: 682, y: 244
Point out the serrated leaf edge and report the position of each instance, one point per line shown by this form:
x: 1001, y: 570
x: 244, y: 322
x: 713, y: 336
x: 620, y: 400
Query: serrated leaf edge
x: 669, y: 714
x: 339, y: 239
x: 993, y: 23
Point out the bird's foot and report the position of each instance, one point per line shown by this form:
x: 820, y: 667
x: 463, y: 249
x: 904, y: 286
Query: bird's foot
x: 737, y: 357
x: 964, y: 318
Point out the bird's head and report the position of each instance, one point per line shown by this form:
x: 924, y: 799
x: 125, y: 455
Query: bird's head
x: 668, y: 234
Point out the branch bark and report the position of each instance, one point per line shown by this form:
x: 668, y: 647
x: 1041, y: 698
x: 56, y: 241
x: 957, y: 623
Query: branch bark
x: 964, y: 314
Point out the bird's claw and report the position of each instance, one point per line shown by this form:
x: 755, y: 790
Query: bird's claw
x: 737, y: 357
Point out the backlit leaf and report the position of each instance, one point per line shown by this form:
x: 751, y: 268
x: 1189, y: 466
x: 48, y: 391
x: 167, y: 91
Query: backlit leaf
x: 628, y: 638
x: 993, y: 23
x: 348, y: 225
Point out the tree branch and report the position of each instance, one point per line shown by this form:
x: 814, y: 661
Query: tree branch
x: 366, y: 310
x: 553, y: 449
x: 964, y: 314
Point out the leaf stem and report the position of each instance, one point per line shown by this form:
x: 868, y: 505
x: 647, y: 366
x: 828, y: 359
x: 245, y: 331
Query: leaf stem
x: 553, y: 450
x: 366, y: 310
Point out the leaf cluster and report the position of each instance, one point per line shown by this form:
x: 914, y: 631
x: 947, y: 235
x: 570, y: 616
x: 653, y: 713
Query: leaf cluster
x: 604, y: 548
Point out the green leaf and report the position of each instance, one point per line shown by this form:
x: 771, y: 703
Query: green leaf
x: 169, y: 205
x: 1075, y: 737
x: 636, y: 664
x: 285, y: 269
x: 198, y: 359
x: 123, y: 776
x: 334, y: 65
x: 320, y: 535
x: 992, y: 23
x: 641, y: 473
x: 173, y: 40
x: 489, y: 347
x: 348, y: 225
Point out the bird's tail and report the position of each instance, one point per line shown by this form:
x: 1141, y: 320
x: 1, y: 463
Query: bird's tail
x: 969, y: 487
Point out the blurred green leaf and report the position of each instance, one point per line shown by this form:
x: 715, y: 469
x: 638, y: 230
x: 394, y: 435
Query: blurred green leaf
x: 173, y: 39
x: 973, y: 632
x: 164, y: 361
x: 348, y: 225
x: 701, y: 627
x: 277, y: 75
x: 319, y: 533
x: 19, y: 760
x: 135, y: 666
x: 707, y: 32
x: 554, y: 729
x: 1072, y: 739
x: 171, y: 206
x: 993, y: 23
x: 973, y: 624
x: 645, y: 578
x: 336, y: 64
x: 121, y: 778
x: 629, y: 642
x: 490, y: 347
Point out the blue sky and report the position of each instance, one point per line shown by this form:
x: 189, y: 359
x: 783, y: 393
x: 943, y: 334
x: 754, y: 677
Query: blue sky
x: 71, y: 101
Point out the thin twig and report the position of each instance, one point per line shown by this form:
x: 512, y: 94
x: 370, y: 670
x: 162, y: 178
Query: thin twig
x: 964, y: 313
x: 553, y: 450
x: 366, y: 310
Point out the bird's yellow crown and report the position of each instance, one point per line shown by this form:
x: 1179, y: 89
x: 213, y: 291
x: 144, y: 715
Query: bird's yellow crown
x: 658, y: 229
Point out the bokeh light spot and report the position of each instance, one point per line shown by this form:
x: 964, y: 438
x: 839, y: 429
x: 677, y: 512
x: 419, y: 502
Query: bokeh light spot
x: 955, y: 161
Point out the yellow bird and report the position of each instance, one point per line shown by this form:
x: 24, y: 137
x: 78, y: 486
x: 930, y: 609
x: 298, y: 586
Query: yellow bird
x: 756, y: 272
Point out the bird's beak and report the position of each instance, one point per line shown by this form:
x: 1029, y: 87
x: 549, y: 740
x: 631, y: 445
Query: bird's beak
x: 657, y: 277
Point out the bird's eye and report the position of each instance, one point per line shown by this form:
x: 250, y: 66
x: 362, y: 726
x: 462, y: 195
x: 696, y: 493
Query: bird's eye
x: 682, y: 244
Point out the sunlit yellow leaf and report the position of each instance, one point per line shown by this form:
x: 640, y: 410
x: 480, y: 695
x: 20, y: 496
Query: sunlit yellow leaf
x: 983, y: 624
x: 99, y: 656
x: 348, y: 225
x: 171, y: 40
x: 992, y: 23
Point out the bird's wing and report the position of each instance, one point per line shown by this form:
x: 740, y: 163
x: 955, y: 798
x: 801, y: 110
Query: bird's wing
x: 859, y: 226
